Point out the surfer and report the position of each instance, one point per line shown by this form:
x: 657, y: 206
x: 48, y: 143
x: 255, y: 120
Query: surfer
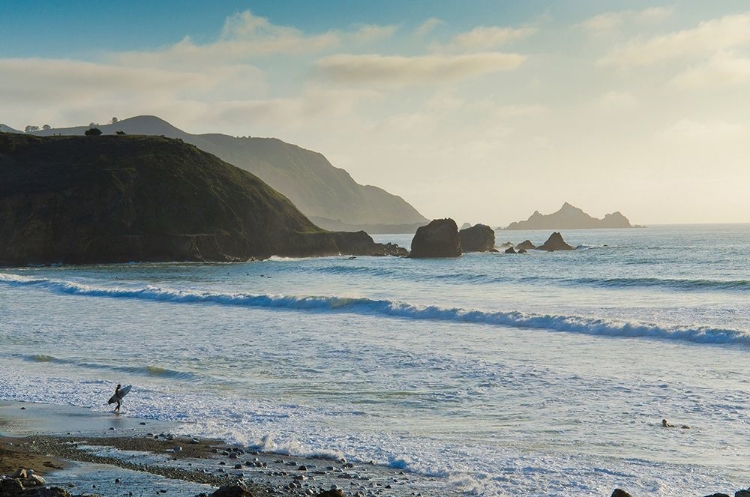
x: 118, y: 397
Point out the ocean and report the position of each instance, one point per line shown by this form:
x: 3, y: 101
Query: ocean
x: 529, y: 374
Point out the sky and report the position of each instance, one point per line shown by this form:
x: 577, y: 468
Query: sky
x: 483, y: 111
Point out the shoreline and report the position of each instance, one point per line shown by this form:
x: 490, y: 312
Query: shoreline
x: 76, y: 448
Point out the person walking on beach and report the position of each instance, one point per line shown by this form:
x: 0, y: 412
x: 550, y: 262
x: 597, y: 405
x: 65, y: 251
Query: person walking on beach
x: 118, y: 397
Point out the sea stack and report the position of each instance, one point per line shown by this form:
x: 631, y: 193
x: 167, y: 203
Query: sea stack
x: 437, y: 239
x: 478, y: 238
x: 555, y: 242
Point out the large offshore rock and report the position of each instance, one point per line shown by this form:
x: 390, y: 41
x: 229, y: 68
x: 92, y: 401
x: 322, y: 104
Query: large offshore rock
x: 478, y: 238
x: 437, y: 239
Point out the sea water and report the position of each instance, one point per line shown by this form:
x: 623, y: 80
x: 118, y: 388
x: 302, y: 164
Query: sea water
x: 534, y: 374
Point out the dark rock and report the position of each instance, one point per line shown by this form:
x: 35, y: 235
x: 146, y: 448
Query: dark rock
x: 717, y: 495
x: 134, y: 198
x: 510, y: 250
x: 20, y: 473
x: 10, y: 486
x: 478, y: 238
x: 522, y: 251
x: 742, y: 493
x: 302, y: 468
x: 555, y: 242
x: 235, y: 490
x: 620, y: 493
x: 331, y: 493
x: 437, y: 239
x: 526, y: 244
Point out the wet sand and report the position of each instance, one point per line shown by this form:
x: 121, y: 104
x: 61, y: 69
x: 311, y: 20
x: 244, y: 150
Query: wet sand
x: 114, y: 455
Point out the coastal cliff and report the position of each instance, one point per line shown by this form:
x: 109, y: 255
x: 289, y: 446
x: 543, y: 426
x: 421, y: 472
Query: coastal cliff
x: 317, y: 188
x: 99, y: 199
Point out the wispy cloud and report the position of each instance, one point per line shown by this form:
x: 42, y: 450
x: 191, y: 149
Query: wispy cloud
x: 723, y: 69
x: 708, y: 37
x: 611, y: 21
x: 484, y: 38
x: 400, y: 70
x: 428, y: 26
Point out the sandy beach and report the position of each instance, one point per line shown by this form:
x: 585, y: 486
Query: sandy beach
x: 87, y: 452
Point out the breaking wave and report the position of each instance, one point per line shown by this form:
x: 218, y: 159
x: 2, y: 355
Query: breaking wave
x: 396, y: 309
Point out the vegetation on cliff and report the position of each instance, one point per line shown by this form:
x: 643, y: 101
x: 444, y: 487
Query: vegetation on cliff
x: 88, y: 199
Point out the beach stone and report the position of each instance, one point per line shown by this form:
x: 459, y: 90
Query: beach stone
x: 555, y: 242
x: 33, y: 481
x: 235, y: 490
x: 620, y: 493
x: 238, y: 466
x: 10, y: 486
x: 437, y: 239
x: 302, y: 468
x: 717, y: 495
x: 20, y: 473
x: 333, y: 492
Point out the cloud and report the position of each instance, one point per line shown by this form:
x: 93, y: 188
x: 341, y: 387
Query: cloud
x: 616, y: 101
x: 723, y: 69
x: 400, y: 70
x: 45, y: 80
x: 653, y: 15
x: 603, y: 22
x: 709, y: 36
x: 610, y: 21
x: 704, y: 131
x: 426, y: 27
x: 484, y: 38
x: 372, y: 32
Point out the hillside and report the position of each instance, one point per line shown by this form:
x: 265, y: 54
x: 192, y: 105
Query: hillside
x: 307, y: 178
x: 136, y: 198
x: 8, y: 129
x: 570, y: 217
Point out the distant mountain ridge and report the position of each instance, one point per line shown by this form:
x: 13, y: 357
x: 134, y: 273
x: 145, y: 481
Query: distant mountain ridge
x: 7, y: 129
x: 570, y: 217
x: 320, y: 190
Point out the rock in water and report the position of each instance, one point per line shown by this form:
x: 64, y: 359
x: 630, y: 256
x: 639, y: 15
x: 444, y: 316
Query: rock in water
x: 525, y: 245
x: 437, y: 239
x: 620, y: 493
x: 510, y: 250
x: 478, y: 238
x: 555, y: 242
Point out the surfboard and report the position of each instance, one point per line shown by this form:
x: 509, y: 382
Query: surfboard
x: 123, y: 392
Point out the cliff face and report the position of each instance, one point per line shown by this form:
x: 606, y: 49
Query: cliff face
x: 307, y: 178
x: 570, y: 217
x: 135, y: 198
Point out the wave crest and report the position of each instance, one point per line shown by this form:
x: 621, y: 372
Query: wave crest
x: 366, y: 306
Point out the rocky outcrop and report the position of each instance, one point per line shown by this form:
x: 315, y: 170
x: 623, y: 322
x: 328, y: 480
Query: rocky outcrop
x: 478, y: 238
x: 437, y: 239
x: 510, y: 250
x: 525, y: 245
x: 555, y: 242
x: 570, y: 217
x: 134, y: 198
